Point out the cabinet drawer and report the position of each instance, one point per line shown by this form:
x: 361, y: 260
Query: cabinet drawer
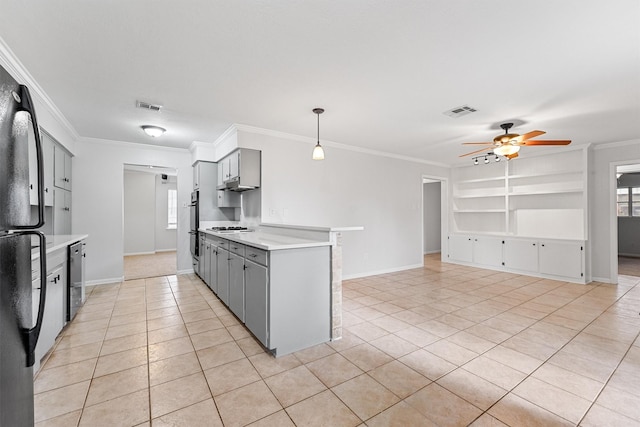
x: 256, y: 255
x: 221, y: 243
x: 236, y: 248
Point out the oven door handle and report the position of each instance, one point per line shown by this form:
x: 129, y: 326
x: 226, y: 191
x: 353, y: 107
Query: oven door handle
x: 193, y: 232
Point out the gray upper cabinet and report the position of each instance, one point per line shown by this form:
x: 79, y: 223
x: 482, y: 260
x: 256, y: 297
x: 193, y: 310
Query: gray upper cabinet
x: 240, y: 170
x: 47, y: 158
x: 62, y: 168
x: 204, y: 175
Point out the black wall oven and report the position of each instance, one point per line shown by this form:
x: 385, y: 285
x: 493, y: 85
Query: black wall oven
x: 193, y: 224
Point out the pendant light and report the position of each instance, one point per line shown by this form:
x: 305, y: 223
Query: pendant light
x: 318, y: 152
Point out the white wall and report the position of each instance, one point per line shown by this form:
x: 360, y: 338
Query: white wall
x: 432, y: 217
x: 98, y: 201
x: 139, y: 212
x: 602, y: 220
x: 348, y: 188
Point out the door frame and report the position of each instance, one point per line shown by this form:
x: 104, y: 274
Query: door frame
x: 444, y: 214
x: 613, y: 215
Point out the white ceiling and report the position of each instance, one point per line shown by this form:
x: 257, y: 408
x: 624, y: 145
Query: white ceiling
x: 385, y: 71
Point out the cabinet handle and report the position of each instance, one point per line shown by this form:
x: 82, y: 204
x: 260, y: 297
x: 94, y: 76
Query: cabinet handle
x: 542, y: 245
x: 534, y: 244
x: 46, y: 190
x: 30, y: 186
x: 253, y: 255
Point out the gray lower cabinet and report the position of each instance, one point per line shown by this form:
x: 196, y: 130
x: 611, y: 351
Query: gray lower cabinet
x: 255, y: 285
x: 236, y: 285
x: 282, y: 296
x: 54, y: 310
x: 223, y: 275
x: 206, y: 258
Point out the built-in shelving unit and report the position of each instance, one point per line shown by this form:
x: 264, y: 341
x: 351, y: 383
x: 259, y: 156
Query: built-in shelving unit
x: 534, y: 196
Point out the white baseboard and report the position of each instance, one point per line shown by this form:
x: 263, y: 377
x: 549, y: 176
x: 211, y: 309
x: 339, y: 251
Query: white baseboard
x: 187, y: 271
x: 385, y: 271
x: 139, y: 253
x: 630, y: 255
x: 603, y: 280
x: 108, y: 281
x: 433, y: 252
x: 166, y: 250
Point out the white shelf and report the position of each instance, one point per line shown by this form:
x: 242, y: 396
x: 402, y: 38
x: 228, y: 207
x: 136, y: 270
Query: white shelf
x: 538, y: 175
x: 543, y: 192
x: 479, y: 196
x: 479, y: 210
x: 469, y: 181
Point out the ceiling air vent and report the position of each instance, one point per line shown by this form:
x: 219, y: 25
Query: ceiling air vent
x: 460, y: 111
x: 148, y: 106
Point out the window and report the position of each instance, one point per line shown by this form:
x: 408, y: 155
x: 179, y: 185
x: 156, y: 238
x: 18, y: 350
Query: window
x: 629, y: 201
x: 172, y: 208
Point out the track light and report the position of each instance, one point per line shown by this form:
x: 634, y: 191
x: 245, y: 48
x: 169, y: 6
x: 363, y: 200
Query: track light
x: 475, y: 161
x: 497, y: 158
x: 486, y: 160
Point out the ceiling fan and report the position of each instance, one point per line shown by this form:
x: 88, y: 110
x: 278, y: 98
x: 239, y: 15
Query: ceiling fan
x: 509, y: 144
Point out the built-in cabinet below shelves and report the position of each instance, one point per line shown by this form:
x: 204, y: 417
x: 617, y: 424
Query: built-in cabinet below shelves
x: 549, y: 258
x: 539, y: 196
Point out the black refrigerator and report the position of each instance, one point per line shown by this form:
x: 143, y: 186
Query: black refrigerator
x: 18, y: 331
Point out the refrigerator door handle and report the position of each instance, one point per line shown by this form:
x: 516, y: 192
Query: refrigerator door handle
x: 30, y: 336
x: 26, y: 104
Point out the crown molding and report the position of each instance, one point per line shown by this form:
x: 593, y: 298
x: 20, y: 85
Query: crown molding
x: 133, y: 145
x: 307, y: 140
x: 230, y: 130
x: 13, y: 65
x: 617, y: 144
x: 196, y: 144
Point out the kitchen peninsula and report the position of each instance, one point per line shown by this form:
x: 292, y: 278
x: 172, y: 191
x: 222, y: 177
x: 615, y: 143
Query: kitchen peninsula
x: 282, y: 281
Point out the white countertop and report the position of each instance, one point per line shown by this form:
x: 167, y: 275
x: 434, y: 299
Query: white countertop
x: 57, y: 242
x: 268, y: 241
x: 315, y: 228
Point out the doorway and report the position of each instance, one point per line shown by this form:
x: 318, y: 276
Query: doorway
x: 149, y: 221
x: 628, y: 219
x: 434, y: 214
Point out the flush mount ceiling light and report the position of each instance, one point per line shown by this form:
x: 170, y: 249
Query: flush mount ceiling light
x: 318, y: 152
x: 153, y: 131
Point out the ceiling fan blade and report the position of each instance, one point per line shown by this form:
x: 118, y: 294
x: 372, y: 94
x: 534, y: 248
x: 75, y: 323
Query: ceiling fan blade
x: 547, y: 142
x: 478, y: 143
x: 511, y: 156
x: 528, y: 135
x: 473, y: 152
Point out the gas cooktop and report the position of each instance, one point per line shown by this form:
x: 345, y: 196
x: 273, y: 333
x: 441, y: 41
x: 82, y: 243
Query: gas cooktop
x: 233, y: 229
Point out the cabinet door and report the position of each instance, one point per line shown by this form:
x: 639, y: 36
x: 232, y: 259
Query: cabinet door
x: 460, y: 248
x: 228, y: 199
x: 236, y: 285
x: 196, y: 176
x: 67, y: 171
x: 234, y: 165
x: 561, y: 259
x: 58, y: 167
x: 207, y: 263
x: 53, y: 317
x: 224, y: 165
x: 487, y: 251
x: 47, y: 151
x: 61, y: 211
x: 521, y: 255
x: 256, y: 301
x: 223, y: 275
x: 213, y: 284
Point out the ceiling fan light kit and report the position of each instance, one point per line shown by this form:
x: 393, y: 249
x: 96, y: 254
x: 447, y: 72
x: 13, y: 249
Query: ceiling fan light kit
x: 508, y: 145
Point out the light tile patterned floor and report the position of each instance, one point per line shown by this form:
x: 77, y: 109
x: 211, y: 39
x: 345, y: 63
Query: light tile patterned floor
x: 150, y: 265
x: 445, y: 345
